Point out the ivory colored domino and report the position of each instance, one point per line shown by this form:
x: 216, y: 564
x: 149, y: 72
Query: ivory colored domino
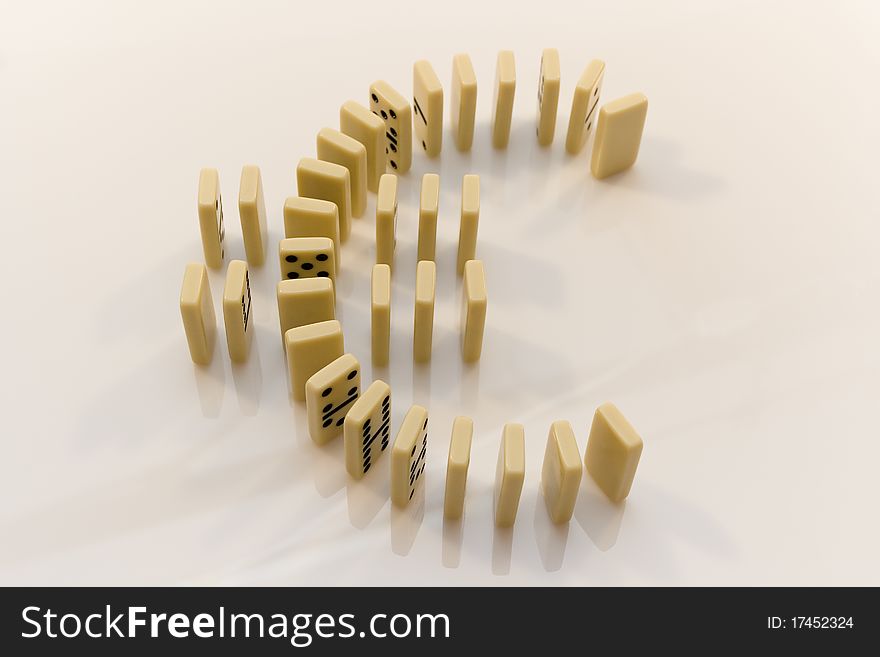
x: 367, y: 429
x: 548, y: 96
x: 309, y: 348
x: 197, y: 311
x: 613, y: 452
x: 338, y: 148
x: 427, y: 108
x: 423, y: 318
x: 510, y: 474
x: 408, y: 455
x: 502, y: 105
x: 311, y: 217
x: 252, y: 213
x: 380, y: 302
x: 395, y: 111
x: 473, y: 311
x: 561, y: 473
x: 618, y: 135
x: 328, y: 182
x: 386, y: 220
x: 457, y: 467
x: 463, y: 101
x: 429, y: 205
x: 305, y: 301
x: 211, y: 217
x: 583, y: 106
x: 307, y: 257
x: 470, y: 220
x: 237, y: 311
x: 361, y: 124
x: 330, y: 393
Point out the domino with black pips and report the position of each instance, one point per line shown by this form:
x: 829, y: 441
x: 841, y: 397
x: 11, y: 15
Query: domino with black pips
x: 307, y: 257
x: 408, y: 455
x: 309, y: 348
x: 429, y: 207
x: 502, y: 105
x: 211, y: 225
x: 197, y: 311
x: 463, y: 101
x: 561, y: 472
x: 305, y: 301
x: 237, y: 311
x: 470, y: 221
x: 584, y: 104
x: 427, y: 108
x: 361, y: 124
x: 329, y: 182
x: 330, y: 393
x: 338, y: 148
x: 367, y: 429
x: 386, y: 220
x: 548, y: 96
x: 252, y: 214
x: 392, y: 108
x: 312, y: 217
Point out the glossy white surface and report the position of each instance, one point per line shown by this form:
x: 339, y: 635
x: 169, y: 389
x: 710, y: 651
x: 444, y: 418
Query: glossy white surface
x: 723, y: 293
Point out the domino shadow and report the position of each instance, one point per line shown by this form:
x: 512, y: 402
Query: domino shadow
x: 327, y: 462
x: 598, y: 516
x: 248, y: 378
x: 551, y: 537
x: 406, y: 522
x: 368, y: 495
x: 451, y: 542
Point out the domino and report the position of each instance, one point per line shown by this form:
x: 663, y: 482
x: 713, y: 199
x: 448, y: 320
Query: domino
x: 309, y: 348
x: 613, y: 452
x: 470, y: 220
x: 305, y: 301
x: 237, y: 311
x: 211, y: 217
x: 338, y: 148
x: 311, y: 217
x: 367, y: 429
x: 328, y: 182
x: 561, y: 473
x: 361, y: 124
x: 502, y: 105
x: 429, y: 205
x: 197, y: 311
x: 386, y: 220
x: 396, y: 113
x: 583, y: 106
x: 330, y: 393
x: 618, y: 135
x: 408, y: 455
x: 510, y: 474
x: 307, y: 257
x: 423, y: 317
x: 380, y: 302
x: 548, y: 96
x: 457, y: 467
x: 463, y: 101
x: 427, y: 108
x: 473, y: 310
x: 252, y: 213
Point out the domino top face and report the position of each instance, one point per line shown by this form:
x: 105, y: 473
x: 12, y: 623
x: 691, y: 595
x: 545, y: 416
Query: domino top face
x: 510, y: 474
x: 397, y: 115
x: 408, y: 455
x: 613, y: 452
x: 237, y: 310
x: 561, y: 473
x: 252, y: 211
x: 548, y: 96
x: 338, y: 148
x: 312, y: 217
x: 307, y: 257
x: 367, y: 429
x: 502, y: 105
x: 328, y: 181
x: 211, y: 217
x: 197, y: 311
x: 457, y: 466
x: 583, y: 106
x: 330, y: 393
x: 309, y: 348
x: 426, y: 283
x: 361, y: 124
x: 470, y: 219
x: 427, y: 108
x: 463, y: 101
x: 305, y: 301
x: 475, y: 282
x: 470, y: 194
x: 386, y: 219
x: 618, y: 135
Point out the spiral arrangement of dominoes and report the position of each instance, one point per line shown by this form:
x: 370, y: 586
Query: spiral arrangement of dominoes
x: 332, y: 188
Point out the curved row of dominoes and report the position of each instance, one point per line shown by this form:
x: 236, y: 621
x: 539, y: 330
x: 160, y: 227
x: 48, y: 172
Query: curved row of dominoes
x: 331, y: 189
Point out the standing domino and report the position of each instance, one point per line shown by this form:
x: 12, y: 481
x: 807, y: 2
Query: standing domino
x: 237, y: 311
x: 613, y: 452
x: 197, y: 311
x: 396, y: 113
x: 470, y: 220
x: 429, y: 205
x: 457, y: 467
x: 361, y: 124
x: 463, y: 101
x: 252, y: 213
x: 305, y: 301
x: 548, y: 96
x: 510, y: 474
x: 311, y: 217
x: 380, y: 304
x: 561, y: 474
x: 329, y: 182
x: 502, y: 106
x: 309, y: 348
x: 338, y: 148
x: 473, y: 310
x: 583, y: 106
x: 618, y: 135
x: 330, y: 393
x: 386, y: 220
x: 408, y: 455
x: 211, y: 217
x: 367, y: 429
x: 427, y: 108
x: 307, y: 257
x: 423, y: 318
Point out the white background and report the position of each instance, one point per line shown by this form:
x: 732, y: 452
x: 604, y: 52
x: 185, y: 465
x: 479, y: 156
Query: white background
x: 723, y: 293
